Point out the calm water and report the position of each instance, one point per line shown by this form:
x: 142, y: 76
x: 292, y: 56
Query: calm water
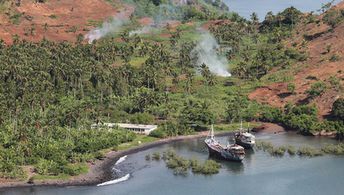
x: 246, y: 7
x: 259, y: 173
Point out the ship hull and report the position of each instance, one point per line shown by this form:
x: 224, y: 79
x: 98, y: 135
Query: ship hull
x: 214, y: 152
x: 244, y: 144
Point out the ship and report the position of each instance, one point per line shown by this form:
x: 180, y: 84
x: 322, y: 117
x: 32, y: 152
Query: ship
x: 231, y: 152
x: 245, y: 139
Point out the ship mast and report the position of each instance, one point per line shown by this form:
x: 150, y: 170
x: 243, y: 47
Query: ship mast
x: 212, y: 132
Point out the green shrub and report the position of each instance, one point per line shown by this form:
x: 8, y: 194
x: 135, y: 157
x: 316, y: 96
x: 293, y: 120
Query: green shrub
x: 317, y: 89
x: 334, y: 149
x: 333, y: 17
x: 308, y: 151
x: 142, y: 118
x: 15, y: 18
x: 47, y: 167
x: 265, y: 146
x: 156, y: 156
x: 278, y: 151
x: 338, y: 109
x: 158, y: 133
x: 291, y: 87
x: 295, y: 54
x: 210, y: 167
x: 99, y: 155
x: 334, y: 58
x: 335, y: 83
x: 75, y: 169
x: 53, y: 16
x: 291, y: 150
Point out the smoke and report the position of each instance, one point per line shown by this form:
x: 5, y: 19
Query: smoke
x: 206, y: 52
x: 143, y: 30
x: 107, y: 27
x: 183, y: 2
x: 163, y: 16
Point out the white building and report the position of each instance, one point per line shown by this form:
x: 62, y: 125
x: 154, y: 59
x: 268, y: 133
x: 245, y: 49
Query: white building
x: 137, y: 128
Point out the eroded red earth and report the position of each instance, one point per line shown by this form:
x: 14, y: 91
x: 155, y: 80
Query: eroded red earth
x: 318, y: 67
x: 58, y: 20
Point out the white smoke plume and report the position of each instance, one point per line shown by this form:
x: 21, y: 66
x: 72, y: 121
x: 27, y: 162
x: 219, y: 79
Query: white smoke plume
x: 143, y: 30
x: 166, y: 13
x: 107, y: 27
x: 206, y: 52
x: 183, y: 2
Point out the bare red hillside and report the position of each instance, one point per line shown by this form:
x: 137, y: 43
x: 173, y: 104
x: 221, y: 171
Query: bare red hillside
x: 56, y: 19
x: 318, y: 67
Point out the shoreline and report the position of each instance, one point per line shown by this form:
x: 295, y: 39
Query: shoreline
x: 100, y: 170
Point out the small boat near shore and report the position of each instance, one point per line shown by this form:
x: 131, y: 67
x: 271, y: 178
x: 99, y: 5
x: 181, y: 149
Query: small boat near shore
x: 245, y: 139
x: 232, y: 152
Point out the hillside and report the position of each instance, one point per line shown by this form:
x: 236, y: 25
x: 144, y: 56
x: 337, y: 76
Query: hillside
x: 182, y: 65
x: 64, y: 20
x: 54, y: 19
x: 324, y: 64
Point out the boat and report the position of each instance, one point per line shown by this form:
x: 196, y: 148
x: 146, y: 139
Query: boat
x: 244, y: 139
x: 232, y: 152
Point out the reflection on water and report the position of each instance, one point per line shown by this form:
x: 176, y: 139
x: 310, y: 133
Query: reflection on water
x: 259, y: 173
x: 233, y: 167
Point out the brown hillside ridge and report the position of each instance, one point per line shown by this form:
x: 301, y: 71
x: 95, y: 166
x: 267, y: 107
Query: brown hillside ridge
x: 317, y: 67
x: 56, y: 20
x: 210, y: 23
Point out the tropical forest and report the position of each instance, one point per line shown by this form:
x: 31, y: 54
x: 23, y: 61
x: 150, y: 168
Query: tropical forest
x: 180, y: 65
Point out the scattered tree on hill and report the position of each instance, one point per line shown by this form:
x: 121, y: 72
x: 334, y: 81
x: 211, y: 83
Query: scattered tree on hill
x: 291, y: 88
x: 196, y: 113
x: 338, y: 109
x: 317, y: 89
x: 209, y: 77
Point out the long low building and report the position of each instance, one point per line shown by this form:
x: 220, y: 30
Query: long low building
x: 137, y: 128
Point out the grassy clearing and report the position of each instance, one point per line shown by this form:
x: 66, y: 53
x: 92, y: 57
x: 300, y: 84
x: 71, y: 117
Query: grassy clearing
x: 63, y: 177
x: 139, y: 140
x: 283, y: 75
x: 137, y: 61
x: 94, y: 23
x: 4, y: 6
x: 71, y: 170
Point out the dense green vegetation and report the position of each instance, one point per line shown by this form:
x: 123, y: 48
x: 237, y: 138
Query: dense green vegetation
x: 302, y: 118
x: 255, y: 48
x: 338, y: 108
x: 334, y: 17
x: 162, y: 10
x: 50, y: 93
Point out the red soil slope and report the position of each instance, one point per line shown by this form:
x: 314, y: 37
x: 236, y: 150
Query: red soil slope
x: 317, y: 67
x: 57, y: 20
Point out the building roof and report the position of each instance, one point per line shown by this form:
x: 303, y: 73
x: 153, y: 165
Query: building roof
x: 125, y: 125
